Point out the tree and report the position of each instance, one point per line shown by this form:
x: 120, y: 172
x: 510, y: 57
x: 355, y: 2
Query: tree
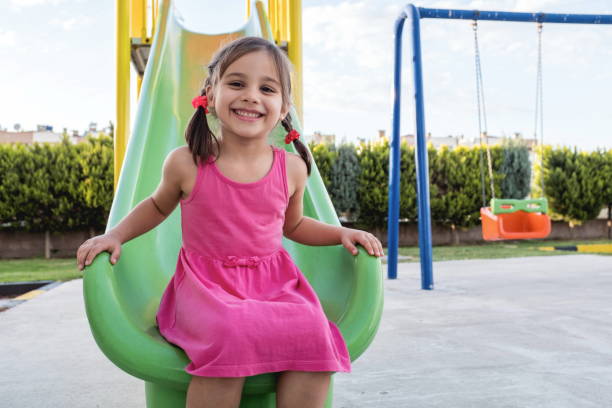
x: 516, y: 169
x: 572, y: 184
x: 372, y: 191
x: 324, y: 155
x: 345, y: 172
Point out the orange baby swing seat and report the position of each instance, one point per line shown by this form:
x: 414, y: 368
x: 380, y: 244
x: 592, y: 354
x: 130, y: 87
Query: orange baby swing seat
x: 503, y: 220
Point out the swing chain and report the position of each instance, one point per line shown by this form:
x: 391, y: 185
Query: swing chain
x: 539, y: 107
x: 482, y: 119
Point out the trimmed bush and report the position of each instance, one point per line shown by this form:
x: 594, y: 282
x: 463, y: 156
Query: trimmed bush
x: 345, y: 171
x: 516, y: 169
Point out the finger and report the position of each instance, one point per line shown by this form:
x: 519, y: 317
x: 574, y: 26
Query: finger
x: 364, y: 243
x: 83, y: 258
x: 115, y: 254
x: 377, y: 246
x: 91, y: 255
x: 367, y: 244
x: 83, y: 250
x: 348, y: 244
x: 81, y: 254
x: 380, y: 247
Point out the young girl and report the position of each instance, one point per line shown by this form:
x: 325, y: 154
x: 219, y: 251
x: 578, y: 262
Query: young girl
x: 237, y: 304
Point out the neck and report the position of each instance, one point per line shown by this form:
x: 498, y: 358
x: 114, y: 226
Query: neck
x: 243, y: 149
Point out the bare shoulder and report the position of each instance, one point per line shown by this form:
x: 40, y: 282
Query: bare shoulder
x: 296, y: 167
x: 181, y: 153
x: 175, y: 174
x: 297, y: 172
x: 180, y: 161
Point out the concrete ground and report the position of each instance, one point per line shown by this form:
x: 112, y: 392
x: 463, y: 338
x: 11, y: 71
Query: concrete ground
x: 522, y: 332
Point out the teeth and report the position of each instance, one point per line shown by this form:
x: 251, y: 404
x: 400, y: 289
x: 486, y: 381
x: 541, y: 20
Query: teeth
x: 247, y: 114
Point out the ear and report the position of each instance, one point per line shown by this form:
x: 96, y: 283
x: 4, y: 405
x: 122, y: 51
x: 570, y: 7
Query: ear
x: 209, y: 94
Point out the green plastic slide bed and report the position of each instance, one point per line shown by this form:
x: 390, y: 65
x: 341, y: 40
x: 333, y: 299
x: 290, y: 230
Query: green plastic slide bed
x: 122, y: 300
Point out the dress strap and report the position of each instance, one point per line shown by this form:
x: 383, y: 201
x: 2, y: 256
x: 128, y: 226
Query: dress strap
x: 281, y: 154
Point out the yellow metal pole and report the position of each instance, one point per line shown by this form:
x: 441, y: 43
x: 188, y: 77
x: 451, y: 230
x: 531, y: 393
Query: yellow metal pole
x: 272, y: 17
x: 295, y: 54
x: 123, y: 83
x: 138, y: 86
x: 155, y: 10
x: 138, y: 15
x: 248, y: 8
x: 277, y: 22
x: 283, y: 20
x: 265, y: 28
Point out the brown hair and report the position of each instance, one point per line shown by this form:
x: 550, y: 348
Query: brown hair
x: 198, y: 135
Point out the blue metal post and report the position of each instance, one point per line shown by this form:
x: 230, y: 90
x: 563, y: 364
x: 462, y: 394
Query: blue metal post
x: 394, y: 156
x: 515, y: 16
x: 422, y: 168
x: 424, y: 215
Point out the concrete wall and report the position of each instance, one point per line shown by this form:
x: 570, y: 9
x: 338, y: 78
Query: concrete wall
x: 408, y: 233
x: 19, y: 244
x: 64, y: 245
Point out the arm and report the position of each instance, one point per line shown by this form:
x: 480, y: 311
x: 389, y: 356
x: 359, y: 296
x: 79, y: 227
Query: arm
x: 145, y: 216
x: 309, y: 231
x: 157, y: 207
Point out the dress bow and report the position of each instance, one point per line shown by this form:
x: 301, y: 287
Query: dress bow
x: 232, y: 260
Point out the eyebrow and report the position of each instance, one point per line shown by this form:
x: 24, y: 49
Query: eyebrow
x: 266, y: 78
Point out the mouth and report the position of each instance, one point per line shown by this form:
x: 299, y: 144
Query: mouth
x: 247, y: 115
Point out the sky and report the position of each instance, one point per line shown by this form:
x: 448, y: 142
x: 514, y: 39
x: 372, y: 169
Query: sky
x: 58, y: 67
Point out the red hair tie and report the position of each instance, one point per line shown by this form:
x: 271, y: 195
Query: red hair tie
x: 291, y: 136
x: 200, y: 101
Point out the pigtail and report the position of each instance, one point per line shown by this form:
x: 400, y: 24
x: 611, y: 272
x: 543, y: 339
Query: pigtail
x: 198, y: 135
x: 299, y: 146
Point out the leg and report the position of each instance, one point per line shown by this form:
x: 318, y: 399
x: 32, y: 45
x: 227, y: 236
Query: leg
x: 214, y: 392
x: 302, y: 389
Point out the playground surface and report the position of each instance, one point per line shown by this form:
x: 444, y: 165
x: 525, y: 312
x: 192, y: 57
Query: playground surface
x: 520, y: 332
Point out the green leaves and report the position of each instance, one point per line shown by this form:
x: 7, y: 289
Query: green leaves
x: 516, y: 169
x: 372, y: 185
x: 61, y: 187
x: 577, y: 184
x: 324, y: 155
x: 56, y: 187
x: 345, y: 171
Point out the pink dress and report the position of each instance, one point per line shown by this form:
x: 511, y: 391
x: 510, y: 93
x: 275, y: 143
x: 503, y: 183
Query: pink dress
x: 237, y: 304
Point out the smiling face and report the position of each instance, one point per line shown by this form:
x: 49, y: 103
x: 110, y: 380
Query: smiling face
x: 248, y: 97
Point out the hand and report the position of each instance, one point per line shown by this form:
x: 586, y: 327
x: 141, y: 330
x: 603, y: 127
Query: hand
x: 92, y: 247
x: 368, y: 241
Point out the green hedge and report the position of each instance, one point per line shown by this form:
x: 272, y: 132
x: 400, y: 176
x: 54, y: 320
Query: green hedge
x: 56, y: 187
x: 578, y: 184
x: 59, y: 187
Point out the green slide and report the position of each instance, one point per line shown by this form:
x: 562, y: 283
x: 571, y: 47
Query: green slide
x: 122, y: 300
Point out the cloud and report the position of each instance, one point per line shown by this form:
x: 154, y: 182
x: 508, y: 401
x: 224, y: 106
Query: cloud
x: 17, y: 6
x: 349, y: 45
x: 348, y: 66
x: 7, y: 38
x: 30, y: 3
x: 360, y: 31
x: 71, y: 23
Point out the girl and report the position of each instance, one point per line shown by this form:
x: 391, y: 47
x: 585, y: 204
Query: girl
x: 239, y: 195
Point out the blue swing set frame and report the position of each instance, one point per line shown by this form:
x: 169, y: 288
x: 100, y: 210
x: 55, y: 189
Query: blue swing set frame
x: 422, y: 169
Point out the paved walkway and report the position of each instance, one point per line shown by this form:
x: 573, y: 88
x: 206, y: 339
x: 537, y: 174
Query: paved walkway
x: 523, y: 332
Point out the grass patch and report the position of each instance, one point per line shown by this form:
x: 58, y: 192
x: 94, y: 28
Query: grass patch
x: 496, y: 250
x: 33, y: 269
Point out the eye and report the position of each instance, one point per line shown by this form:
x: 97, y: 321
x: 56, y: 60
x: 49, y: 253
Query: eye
x: 267, y: 89
x: 235, y: 83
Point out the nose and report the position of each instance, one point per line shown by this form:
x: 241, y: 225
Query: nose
x: 249, y: 94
